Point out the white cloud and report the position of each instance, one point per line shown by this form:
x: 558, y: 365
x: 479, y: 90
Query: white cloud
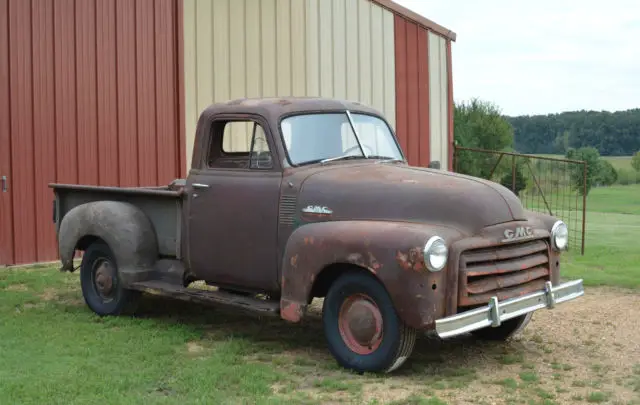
x: 543, y: 56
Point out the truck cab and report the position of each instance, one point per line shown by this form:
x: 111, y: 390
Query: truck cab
x: 291, y: 199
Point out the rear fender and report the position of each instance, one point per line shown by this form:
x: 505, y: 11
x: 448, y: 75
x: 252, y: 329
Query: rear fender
x: 123, y: 226
x: 390, y: 251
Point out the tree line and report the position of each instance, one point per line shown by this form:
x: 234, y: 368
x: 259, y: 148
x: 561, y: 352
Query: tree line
x: 610, y: 133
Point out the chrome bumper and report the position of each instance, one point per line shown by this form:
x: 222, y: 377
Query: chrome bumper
x: 497, y: 312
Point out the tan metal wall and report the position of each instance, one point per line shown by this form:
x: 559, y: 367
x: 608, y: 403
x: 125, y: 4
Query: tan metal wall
x: 439, y: 99
x: 258, y: 48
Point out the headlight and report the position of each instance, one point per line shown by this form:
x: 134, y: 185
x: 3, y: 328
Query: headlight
x: 435, y: 253
x: 559, y: 236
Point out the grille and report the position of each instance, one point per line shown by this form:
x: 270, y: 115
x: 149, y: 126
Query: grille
x: 504, y: 271
x: 287, y: 209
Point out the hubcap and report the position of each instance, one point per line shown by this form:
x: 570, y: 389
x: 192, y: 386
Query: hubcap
x: 104, y: 278
x: 360, y: 324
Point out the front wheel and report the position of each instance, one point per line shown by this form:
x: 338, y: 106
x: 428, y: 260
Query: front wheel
x: 101, y: 286
x: 506, y: 330
x: 362, y: 328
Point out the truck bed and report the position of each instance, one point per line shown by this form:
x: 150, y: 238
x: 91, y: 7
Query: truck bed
x: 163, y: 206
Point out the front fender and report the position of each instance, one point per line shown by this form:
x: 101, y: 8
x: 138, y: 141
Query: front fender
x: 123, y: 226
x: 391, y: 251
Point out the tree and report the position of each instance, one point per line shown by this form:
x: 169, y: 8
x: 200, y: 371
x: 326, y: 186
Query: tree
x: 635, y: 161
x: 607, y: 174
x: 479, y: 124
x: 592, y: 157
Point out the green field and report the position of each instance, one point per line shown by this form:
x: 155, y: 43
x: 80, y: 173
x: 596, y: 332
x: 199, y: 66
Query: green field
x: 53, y: 350
x: 618, y: 162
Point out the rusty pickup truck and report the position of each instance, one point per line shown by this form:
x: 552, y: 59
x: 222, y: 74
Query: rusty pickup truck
x: 291, y: 199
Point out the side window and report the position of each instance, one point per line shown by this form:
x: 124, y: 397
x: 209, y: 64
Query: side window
x: 239, y: 145
x: 236, y: 137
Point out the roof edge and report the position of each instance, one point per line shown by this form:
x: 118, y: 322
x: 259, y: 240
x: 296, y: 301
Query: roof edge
x: 417, y: 18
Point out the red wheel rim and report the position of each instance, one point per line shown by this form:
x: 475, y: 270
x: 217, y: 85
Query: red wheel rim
x: 360, y: 324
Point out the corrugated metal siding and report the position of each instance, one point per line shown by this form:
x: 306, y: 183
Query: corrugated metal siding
x: 6, y: 212
x: 450, y: 106
x: 92, y: 97
x: 412, y: 91
x: 253, y: 48
x: 439, y: 96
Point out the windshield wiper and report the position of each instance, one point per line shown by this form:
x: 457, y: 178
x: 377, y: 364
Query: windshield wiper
x: 348, y: 157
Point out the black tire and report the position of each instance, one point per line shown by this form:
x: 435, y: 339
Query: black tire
x: 505, y: 331
x: 115, y: 300
x: 396, y: 340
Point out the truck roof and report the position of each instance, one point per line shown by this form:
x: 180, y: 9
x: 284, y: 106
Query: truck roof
x: 273, y: 108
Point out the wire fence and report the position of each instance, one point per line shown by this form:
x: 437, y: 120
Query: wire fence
x: 549, y: 185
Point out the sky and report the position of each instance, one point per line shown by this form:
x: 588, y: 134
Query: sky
x: 544, y: 56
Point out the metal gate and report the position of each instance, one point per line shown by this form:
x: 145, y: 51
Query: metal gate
x: 550, y: 185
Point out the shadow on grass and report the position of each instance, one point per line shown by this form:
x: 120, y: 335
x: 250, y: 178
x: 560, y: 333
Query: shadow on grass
x: 268, y: 338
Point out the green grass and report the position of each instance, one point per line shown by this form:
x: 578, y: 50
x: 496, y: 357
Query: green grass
x: 614, y: 199
x: 611, y: 253
x: 54, y: 350
x: 597, y: 397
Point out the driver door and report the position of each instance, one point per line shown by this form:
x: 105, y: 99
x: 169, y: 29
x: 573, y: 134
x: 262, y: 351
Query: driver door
x: 234, y: 207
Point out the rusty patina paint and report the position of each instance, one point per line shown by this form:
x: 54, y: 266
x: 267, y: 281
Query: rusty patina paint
x: 291, y: 311
x: 411, y: 260
x: 418, y: 294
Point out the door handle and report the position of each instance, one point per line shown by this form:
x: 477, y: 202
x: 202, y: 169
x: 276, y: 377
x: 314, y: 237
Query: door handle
x: 200, y: 185
x: 4, y: 184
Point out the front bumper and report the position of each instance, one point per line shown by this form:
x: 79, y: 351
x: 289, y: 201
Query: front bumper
x: 497, y: 312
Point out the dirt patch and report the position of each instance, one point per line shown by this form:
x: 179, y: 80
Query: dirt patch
x: 194, y: 349
x: 49, y: 294
x: 17, y: 287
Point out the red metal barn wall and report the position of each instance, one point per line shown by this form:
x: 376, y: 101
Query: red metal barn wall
x: 424, y: 93
x: 89, y: 93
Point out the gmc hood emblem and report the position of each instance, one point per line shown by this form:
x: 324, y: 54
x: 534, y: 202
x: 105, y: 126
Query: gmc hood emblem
x: 317, y: 210
x: 521, y: 232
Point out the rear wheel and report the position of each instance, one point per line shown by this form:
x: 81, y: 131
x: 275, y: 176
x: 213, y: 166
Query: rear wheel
x: 362, y: 328
x: 506, y: 330
x: 101, y: 286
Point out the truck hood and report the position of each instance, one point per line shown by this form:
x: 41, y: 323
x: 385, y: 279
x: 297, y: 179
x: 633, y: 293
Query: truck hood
x: 398, y: 192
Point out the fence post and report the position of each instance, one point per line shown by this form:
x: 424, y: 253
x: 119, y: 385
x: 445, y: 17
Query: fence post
x: 584, y: 205
x: 513, y: 173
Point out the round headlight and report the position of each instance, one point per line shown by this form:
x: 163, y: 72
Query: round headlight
x: 435, y: 253
x: 559, y: 236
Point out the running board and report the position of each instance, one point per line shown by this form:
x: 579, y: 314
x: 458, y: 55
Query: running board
x: 255, y: 305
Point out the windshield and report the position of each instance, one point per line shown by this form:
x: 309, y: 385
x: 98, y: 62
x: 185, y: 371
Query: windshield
x: 312, y: 138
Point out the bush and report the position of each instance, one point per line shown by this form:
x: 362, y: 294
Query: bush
x: 607, y: 174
